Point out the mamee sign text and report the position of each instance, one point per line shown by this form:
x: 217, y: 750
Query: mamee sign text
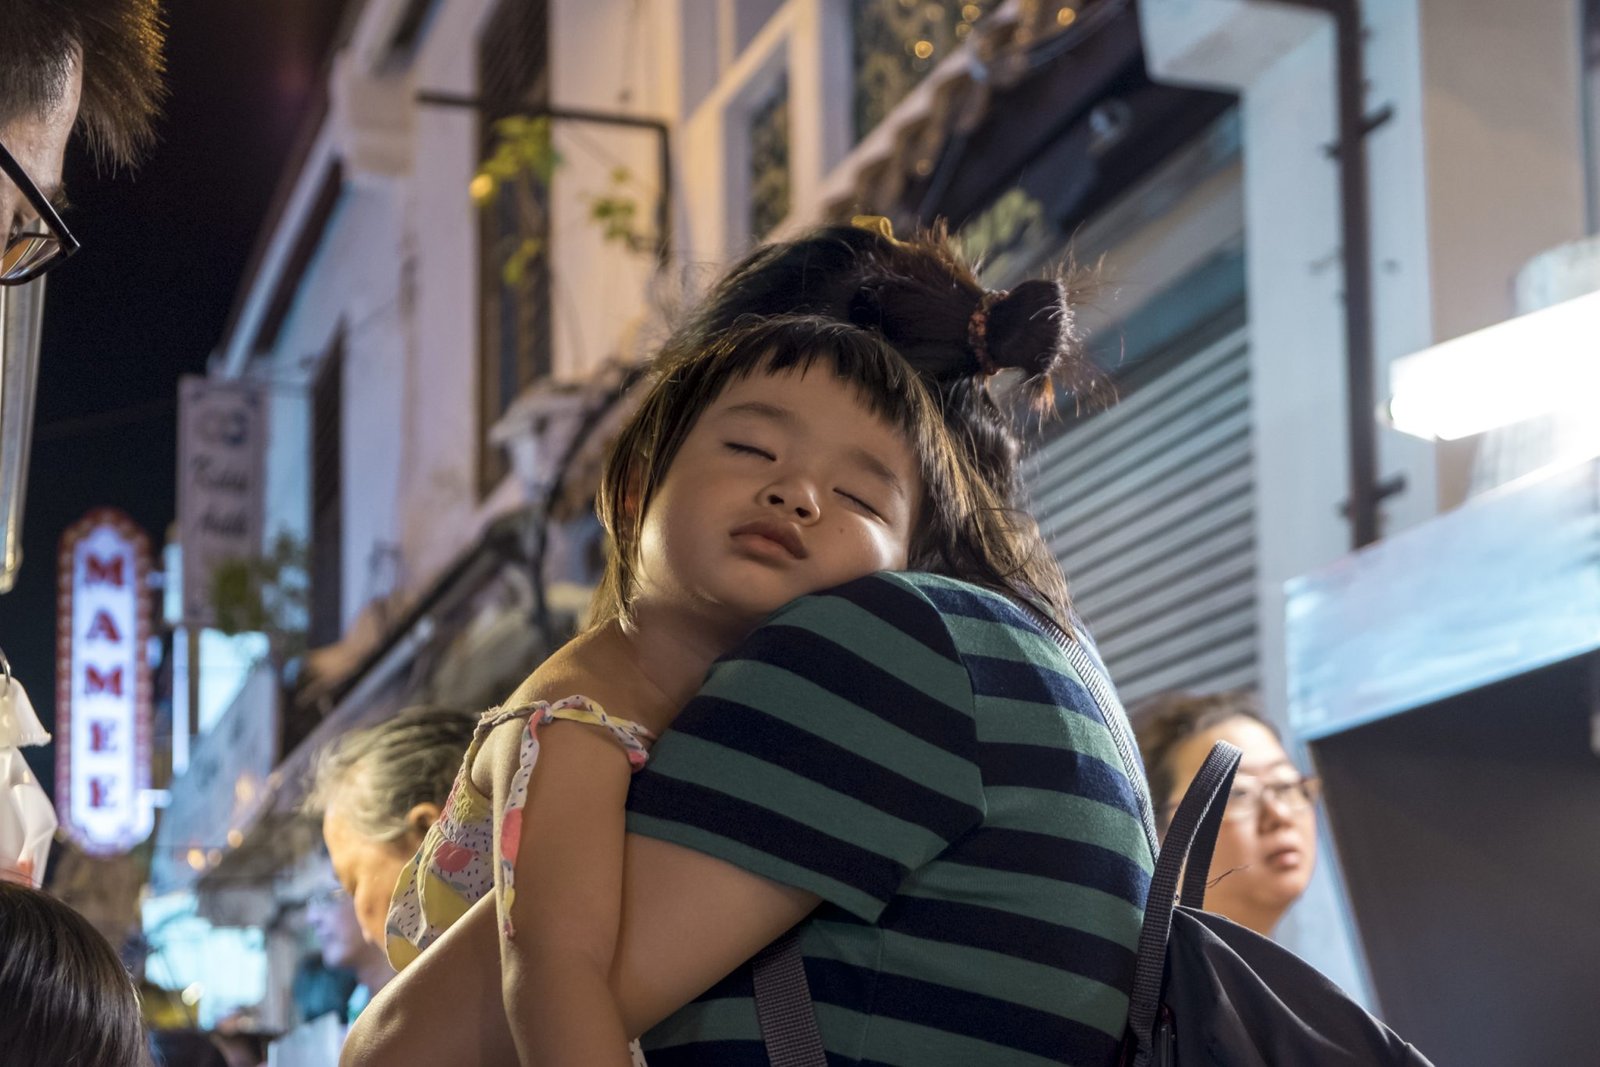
x: 103, y: 684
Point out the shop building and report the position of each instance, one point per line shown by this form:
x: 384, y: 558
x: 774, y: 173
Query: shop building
x: 436, y: 418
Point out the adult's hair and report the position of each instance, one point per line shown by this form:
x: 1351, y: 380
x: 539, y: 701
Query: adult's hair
x: 378, y: 774
x: 66, y: 997
x: 1165, y: 721
x: 956, y: 517
x: 921, y: 297
x: 118, y: 42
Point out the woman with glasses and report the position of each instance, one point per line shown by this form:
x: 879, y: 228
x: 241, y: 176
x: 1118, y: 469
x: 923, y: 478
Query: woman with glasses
x: 1267, y: 846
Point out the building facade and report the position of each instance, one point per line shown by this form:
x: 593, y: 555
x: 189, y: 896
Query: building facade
x: 444, y: 351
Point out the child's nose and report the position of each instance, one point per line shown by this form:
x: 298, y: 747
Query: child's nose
x: 794, y: 498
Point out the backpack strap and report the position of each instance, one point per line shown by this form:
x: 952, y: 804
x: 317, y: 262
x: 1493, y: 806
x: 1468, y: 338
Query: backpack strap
x: 1190, y: 841
x: 783, y: 1005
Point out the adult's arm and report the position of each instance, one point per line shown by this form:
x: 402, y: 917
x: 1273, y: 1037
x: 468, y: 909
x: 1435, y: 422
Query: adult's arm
x: 443, y: 1009
x: 688, y: 920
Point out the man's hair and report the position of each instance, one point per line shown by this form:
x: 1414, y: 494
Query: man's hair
x: 120, y: 43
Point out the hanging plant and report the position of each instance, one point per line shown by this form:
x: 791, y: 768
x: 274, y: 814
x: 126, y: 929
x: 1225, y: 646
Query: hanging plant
x: 268, y: 594
x: 523, y: 165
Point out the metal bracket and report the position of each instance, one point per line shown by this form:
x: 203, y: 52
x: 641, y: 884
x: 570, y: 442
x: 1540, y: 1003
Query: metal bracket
x: 1393, y: 485
x: 1370, y: 123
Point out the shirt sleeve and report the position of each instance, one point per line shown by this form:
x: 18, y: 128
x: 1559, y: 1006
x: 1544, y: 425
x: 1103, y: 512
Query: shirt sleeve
x: 833, y: 751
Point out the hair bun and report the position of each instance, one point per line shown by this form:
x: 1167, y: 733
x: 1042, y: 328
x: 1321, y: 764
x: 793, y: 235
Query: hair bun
x: 1030, y: 329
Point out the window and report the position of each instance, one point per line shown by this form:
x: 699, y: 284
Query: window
x: 897, y: 42
x: 514, y: 322
x: 326, y: 624
x: 769, y: 162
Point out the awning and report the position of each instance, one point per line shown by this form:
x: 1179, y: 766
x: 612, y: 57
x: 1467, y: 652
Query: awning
x: 1504, y: 585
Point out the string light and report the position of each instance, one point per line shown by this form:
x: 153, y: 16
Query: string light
x: 922, y: 49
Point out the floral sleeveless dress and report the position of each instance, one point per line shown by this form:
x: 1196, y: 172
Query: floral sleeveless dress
x: 455, y: 866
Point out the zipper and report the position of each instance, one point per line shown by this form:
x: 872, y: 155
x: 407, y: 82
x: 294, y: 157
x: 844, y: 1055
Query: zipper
x: 1116, y: 719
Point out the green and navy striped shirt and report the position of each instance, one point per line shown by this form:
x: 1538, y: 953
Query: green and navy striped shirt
x: 913, y: 750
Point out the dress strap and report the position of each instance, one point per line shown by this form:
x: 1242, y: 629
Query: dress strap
x: 630, y: 735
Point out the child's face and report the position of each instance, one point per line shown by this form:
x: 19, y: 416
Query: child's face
x: 786, y: 485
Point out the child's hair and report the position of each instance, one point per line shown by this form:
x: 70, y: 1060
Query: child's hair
x: 929, y: 305
x: 955, y: 515
x: 66, y: 996
x: 1163, y: 722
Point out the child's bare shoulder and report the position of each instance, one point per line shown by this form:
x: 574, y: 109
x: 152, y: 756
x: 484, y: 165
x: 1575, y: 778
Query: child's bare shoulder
x: 581, y: 667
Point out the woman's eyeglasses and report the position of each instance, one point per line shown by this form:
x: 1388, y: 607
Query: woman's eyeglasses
x: 29, y: 254
x: 1291, y: 797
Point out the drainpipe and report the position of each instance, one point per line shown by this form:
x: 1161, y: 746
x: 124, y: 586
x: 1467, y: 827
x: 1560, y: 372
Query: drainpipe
x: 1366, y: 491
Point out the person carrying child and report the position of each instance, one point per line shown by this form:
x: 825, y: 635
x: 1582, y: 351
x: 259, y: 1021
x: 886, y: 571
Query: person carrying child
x: 906, y: 759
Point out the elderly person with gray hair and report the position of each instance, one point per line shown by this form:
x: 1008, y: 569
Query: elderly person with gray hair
x: 377, y: 791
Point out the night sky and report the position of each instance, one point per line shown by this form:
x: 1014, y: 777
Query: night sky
x: 147, y: 297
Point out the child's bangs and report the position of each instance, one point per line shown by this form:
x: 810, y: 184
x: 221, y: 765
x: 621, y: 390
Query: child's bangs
x: 883, y: 381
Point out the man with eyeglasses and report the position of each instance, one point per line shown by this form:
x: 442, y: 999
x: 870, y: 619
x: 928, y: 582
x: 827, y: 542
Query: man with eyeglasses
x: 65, y: 65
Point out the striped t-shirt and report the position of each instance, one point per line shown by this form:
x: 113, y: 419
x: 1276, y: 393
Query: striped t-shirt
x: 913, y: 750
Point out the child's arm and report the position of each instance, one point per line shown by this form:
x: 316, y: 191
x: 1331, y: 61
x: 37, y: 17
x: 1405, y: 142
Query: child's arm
x: 567, y: 899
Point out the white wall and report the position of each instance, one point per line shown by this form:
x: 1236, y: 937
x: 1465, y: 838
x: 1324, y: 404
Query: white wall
x: 608, y: 58
x: 1505, y: 162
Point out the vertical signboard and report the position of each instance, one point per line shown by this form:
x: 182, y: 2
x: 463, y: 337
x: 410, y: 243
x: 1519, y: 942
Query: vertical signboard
x: 103, y: 684
x: 221, y: 434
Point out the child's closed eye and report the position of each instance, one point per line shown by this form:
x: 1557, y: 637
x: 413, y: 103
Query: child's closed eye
x: 860, y: 503
x: 749, y: 450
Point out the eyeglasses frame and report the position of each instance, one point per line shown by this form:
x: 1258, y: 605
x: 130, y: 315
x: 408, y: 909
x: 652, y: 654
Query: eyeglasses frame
x: 1310, y: 786
x: 47, y: 214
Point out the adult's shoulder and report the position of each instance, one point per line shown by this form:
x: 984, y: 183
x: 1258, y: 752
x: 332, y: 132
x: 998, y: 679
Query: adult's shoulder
x: 902, y: 594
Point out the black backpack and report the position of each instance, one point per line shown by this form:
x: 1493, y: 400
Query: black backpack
x: 1209, y: 993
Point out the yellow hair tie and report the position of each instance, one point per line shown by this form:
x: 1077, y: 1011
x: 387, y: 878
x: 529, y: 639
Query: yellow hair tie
x: 878, y: 224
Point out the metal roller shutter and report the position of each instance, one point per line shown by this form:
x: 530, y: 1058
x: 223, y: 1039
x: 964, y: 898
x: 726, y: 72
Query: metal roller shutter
x: 1150, y: 509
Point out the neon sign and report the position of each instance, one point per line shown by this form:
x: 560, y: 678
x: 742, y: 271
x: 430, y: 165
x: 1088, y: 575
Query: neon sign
x: 103, y: 684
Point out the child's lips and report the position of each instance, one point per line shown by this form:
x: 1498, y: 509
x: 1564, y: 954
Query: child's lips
x: 765, y: 536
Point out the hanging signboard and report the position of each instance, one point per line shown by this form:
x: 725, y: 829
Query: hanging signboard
x: 221, y: 434
x: 103, y: 684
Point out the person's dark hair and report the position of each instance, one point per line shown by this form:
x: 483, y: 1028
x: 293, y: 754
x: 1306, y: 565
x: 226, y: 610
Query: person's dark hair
x: 921, y: 297
x: 119, y: 43
x: 1163, y: 722
x: 378, y: 774
x: 956, y: 516
x: 66, y: 996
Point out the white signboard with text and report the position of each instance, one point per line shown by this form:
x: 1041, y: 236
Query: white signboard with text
x: 103, y: 684
x: 221, y: 442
